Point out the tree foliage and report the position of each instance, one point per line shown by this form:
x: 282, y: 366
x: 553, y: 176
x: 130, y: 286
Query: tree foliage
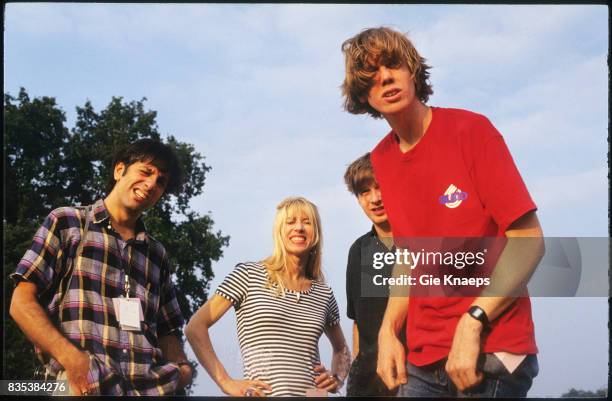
x: 573, y: 393
x: 48, y: 166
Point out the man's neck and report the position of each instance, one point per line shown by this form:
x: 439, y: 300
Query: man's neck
x: 383, y: 230
x: 384, y: 234
x: 122, y: 220
x: 410, y: 125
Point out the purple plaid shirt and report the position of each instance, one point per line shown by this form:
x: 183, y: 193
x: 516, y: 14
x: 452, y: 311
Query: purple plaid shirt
x: 121, y: 362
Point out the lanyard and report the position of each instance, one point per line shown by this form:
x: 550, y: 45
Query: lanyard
x: 127, y: 266
x: 127, y: 282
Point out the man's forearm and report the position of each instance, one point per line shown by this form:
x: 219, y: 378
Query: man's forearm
x: 397, y: 306
x: 395, y: 315
x: 519, y: 259
x: 171, y: 348
x: 510, y: 276
x: 36, y: 325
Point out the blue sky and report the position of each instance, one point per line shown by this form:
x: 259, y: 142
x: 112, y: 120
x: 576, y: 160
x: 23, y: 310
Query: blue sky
x: 255, y: 89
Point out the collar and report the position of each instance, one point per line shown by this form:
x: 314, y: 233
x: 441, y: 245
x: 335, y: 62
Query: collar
x: 373, y: 231
x: 101, y: 216
x: 374, y: 234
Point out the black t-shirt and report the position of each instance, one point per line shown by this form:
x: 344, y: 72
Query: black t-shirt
x: 366, y: 303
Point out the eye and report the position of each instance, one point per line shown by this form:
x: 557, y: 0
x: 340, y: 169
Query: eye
x: 370, y: 68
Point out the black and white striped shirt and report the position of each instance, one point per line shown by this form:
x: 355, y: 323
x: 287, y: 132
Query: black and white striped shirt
x: 279, y: 336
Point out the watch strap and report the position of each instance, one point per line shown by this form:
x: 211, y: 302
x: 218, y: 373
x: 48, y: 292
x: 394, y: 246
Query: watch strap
x: 479, y: 314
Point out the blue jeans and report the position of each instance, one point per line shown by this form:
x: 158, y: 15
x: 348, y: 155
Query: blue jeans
x: 433, y: 381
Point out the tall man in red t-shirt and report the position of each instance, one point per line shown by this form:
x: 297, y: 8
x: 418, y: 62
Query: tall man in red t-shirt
x: 445, y: 173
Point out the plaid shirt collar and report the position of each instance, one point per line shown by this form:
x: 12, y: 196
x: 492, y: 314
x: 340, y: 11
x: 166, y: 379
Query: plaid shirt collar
x: 101, y: 216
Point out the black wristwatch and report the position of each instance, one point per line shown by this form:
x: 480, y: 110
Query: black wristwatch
x: 479, y: 314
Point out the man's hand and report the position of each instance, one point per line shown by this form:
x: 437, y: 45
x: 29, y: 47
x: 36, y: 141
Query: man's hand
x: 185, y: 376
x: 463, y: 356
x: 391, y: 365
x: 77, y: 369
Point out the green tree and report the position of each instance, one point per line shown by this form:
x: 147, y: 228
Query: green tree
x: 48, y: 166
x: 573, y: 393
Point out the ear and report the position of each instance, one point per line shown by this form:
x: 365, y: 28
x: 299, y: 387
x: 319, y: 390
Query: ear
x: 119, y: 170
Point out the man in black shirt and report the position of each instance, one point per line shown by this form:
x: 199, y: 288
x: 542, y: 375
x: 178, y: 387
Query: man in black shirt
x: 366, y: 302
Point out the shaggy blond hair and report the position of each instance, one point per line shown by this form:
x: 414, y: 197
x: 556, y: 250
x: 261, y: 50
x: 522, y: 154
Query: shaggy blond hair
x: 365, y: 52
x: 277, y: 262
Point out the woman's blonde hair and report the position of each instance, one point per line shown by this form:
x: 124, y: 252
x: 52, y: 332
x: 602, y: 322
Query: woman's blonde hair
x: 277, y: 262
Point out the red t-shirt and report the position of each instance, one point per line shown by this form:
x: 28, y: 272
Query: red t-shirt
x: 458, y: 181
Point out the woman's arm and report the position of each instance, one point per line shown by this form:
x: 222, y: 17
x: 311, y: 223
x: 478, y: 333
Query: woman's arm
x: 341, y: 361
x: 196, y: 332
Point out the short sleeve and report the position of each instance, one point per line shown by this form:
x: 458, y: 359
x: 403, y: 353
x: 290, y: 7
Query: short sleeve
x: 39, y: 264
x: 499, y: 184
x: 332, y: 316
x: 169, y: 316
x: 235, y: 286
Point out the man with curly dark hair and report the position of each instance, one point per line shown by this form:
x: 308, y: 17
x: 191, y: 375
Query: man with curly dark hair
x: 94, y: 291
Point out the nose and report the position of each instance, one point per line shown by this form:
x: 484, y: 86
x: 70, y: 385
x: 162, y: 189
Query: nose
x: 375, y: 196
x: 385, y: 75
x: 151, y: 181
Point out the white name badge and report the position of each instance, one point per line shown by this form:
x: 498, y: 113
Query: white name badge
x: 129, y: 313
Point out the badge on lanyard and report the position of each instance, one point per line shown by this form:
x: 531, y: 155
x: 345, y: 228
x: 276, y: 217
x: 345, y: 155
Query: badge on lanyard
x: 129, y: 313
x: 128, y: 310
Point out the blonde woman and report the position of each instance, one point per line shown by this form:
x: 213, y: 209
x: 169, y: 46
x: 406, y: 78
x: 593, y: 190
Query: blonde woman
x: 282, y: 307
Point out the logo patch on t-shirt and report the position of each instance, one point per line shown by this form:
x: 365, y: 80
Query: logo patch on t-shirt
x: 452, y: 197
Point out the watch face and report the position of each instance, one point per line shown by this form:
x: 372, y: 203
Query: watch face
x: 478, y: 314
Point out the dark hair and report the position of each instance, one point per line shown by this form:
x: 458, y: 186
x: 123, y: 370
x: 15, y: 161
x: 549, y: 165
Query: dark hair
x: 365, y: 52
x: 359, y: 174
x: 150, y: 151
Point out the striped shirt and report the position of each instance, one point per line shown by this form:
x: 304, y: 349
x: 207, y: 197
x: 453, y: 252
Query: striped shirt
x: 121, y: 362
x: 279, y: 336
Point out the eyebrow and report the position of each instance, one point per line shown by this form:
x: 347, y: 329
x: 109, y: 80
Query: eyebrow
x: 295, y: 218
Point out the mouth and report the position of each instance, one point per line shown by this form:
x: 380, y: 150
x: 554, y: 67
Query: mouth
x: 140, y: 195
x: 298, y: 239
x: 391, y: 93
x: 378, y: 211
